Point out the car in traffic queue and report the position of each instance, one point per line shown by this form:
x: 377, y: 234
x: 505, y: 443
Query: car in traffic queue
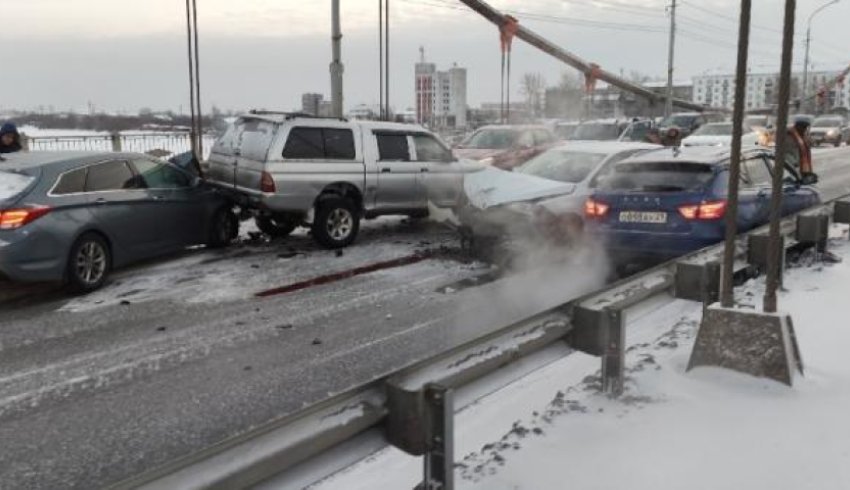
x: 73, y: 217
x: 829, y: 129
x: 720, y: 134
x: 545, y: 196
x: 688, y: 122
x: 505, y: 146
x: 666, y: 203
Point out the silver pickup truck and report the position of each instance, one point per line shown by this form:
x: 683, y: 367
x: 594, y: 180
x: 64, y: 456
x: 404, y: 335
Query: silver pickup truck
x: 328, y: 174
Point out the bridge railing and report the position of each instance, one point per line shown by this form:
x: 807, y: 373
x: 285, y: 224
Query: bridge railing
x: 159, y: 144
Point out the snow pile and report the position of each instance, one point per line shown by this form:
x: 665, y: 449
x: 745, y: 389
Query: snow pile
x: 706, y: 429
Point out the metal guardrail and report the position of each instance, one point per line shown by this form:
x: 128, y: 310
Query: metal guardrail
x: 413, y: 404
x: 159, y: 144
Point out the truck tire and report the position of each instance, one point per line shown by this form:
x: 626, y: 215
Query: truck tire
x: 89, y: 263
x: 336, y: 223
x: 276, y: 226
x: 223, y: 228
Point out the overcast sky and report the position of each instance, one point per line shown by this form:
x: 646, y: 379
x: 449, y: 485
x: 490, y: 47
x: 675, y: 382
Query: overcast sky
x: 128, y: 54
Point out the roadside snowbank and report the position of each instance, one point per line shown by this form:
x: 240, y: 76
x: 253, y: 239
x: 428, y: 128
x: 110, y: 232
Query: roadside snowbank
x: 707, y: 429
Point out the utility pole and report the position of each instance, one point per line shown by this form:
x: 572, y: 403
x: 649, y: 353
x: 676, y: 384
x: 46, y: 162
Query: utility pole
x: 804, y: 94
x: 336, y: 64
x: 668, y: 104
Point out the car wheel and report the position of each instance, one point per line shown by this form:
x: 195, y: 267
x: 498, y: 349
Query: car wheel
x: 224, y: 228
x: 276, y: 227
x: 336, y: 223
x: 88, y: 263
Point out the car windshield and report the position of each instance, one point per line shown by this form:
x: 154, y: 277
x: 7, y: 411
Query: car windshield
x: 827, y: 122
x: 677, y: 120
x: 563, y: 165
x: 658, y: 177
x: 714, y: 130
x: 596, y: 131
x: 495, y: 139
x: 13, y: 183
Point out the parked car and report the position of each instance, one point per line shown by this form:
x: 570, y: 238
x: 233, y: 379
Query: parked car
x: 600, y: 130
x: 504, y: 146
x: 829, y: 129
x: 74, y: 217
x: 328, y: 174
x: 688, y: 122
x: 665, y: 203
x: 637, y: 130
x: 546, y: 195
x: 720, y: 134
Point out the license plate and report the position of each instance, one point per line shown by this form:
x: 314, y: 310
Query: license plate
x: 643, y: 217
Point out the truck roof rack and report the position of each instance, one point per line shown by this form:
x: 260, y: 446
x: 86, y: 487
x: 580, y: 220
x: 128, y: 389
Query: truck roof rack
x: 293, y: 115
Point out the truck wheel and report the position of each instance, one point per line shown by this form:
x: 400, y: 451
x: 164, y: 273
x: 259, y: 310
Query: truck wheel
x: 276, y: 227
x: 336, y: 223
x: 224, y: 228
x: 88, y: 263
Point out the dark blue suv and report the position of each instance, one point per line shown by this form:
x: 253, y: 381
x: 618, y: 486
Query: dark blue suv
x: 666, y: 203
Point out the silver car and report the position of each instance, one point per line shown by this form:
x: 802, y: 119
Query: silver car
x: 546, y: 195
x: 73, y: 217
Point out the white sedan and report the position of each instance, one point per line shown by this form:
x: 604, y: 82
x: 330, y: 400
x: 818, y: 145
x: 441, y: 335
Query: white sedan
x: 720, y: 134
x: 546, y: 195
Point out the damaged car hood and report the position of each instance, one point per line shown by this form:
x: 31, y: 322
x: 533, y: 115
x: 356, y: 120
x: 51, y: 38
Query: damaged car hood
x: 493, y: 187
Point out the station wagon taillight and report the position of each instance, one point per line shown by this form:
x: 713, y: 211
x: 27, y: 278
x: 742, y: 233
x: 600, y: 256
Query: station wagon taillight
x: 595, y: 209
x: 704, y: 211
x: 11, y: 219
x: 267, y: 183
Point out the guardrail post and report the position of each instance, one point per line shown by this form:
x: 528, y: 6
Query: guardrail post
x: 613, y: 355
x: 439, y: 458
x: 841, y: 211
x: 116, y: 141
x: 813, y: 229
x: 757, y: 248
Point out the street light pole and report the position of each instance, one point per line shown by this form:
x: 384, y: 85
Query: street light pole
x: 668, y: 104
x: 804, y: 94
x: 336, y: 63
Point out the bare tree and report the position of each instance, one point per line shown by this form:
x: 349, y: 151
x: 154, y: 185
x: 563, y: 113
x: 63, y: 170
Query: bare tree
x: 533, y: 88
x: 570, y: 82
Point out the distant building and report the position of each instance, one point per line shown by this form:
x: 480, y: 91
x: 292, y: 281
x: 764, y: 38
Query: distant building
x: 363, y: 111
x: 311, y: 103
x: 326, y: 109
x: 718, y: 90
x: 682, y: 89
x: 440, y: 95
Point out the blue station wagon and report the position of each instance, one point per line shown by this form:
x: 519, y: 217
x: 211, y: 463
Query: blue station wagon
x: 666, y: 203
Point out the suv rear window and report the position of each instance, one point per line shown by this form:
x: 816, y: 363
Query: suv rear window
x: 12, y: 184
x: 659, y: 177
x: 319, y: 143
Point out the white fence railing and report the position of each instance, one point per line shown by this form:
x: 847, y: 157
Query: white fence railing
x: 162, y: 144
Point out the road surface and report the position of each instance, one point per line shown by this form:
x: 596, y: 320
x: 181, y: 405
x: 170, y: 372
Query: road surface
x: 178, y: 354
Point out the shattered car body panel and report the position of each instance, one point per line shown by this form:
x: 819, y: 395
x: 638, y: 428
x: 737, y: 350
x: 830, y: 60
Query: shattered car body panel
x: 544, y: 197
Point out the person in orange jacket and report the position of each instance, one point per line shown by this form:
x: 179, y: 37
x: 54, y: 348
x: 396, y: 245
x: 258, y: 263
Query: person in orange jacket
x: 799, y: 154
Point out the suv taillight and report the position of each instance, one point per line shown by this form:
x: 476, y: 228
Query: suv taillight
x: 595, y: 209
x: 704, y: 211
x: 11, y: 219
x: 267, y: 183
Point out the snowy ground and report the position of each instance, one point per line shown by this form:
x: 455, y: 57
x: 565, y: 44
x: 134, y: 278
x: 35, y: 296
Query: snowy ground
x: 705, y: 429
x: 252, y: 265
